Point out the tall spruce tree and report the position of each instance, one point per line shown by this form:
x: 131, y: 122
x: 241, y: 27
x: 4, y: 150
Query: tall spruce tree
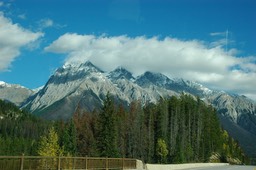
x: 107, y: 135
x: 69, y: 139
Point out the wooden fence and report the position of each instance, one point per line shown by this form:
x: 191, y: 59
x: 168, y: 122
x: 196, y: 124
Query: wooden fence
x: 64, y: 163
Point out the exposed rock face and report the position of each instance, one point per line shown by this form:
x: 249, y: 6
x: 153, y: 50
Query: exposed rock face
x: 14, y: 93
x: 86, y: 86
x: 238, y: 109
x: 75, y: 83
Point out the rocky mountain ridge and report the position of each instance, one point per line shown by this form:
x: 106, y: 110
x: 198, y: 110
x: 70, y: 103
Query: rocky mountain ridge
x: 85, y: 86
x: 15, y: 93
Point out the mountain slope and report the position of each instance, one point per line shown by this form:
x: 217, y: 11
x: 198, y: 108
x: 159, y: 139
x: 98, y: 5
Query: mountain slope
x: 14, y: 93
x: 85, y: 86
x: 77, y: 80
x: 67, y: 88
x: 238, y: 109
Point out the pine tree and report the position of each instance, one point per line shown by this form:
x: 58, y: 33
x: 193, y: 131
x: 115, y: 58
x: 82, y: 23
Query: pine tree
x: 122, y: 126
x: 107, y: 135
x: 173, y: 112
x: 69, y: 139
x: 162, y: 119
x: 150, y: 133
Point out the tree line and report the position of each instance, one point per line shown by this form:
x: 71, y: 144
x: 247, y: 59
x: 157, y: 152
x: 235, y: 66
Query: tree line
x: 175, y: 130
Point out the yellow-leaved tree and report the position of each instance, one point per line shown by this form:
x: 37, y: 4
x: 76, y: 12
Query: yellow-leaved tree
x: 49, y: 148
x: 161, y: 150
x: 49, y: 144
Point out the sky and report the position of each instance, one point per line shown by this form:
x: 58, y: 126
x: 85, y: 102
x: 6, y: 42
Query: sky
x: 208, y: 41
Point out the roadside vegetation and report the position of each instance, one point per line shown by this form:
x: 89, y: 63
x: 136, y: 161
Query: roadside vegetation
x: 175, y: 130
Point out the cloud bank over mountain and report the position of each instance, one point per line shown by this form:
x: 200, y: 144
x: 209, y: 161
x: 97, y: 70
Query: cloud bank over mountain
x: 191, y: 59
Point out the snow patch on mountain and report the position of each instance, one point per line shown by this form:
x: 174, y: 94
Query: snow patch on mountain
x: 4, y: 84
x: 85, y: 83
x: 14, y: 93
x: 120, y: 73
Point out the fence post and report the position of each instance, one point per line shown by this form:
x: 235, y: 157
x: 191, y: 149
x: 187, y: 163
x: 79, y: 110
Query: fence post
x: 106, y: 163
x: 123, y: 163
x: 74, y: 163
x: 22, y: 162
x: 86, y: 162
x: 59, y: 162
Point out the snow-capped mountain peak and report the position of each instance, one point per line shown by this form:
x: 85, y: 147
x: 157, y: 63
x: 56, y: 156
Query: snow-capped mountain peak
x: 151, y: 78
x: 4, y: 84
x: 85, y: 86
x: 14, y: 93
x: 77, y: 68
x: 120, y: 73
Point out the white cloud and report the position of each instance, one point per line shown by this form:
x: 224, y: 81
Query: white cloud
x: 218, y: 33
x: 193, y: 60
x: 12, y: 38
x: 1, y: 3
x: 45, y: 23
x: 49, y: 23
x: 22, y: 16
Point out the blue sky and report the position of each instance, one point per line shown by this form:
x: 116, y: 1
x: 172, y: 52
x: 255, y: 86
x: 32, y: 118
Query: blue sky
x: 209, y: 41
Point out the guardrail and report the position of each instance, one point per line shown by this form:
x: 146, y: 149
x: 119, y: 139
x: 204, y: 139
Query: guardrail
x: 64, y: 163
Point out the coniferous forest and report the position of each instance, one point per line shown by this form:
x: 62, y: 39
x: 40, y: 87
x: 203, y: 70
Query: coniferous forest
x: 175, y: 130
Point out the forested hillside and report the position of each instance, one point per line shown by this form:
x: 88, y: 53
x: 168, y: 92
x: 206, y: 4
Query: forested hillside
x: 19, y: 130
x: 175, y: 130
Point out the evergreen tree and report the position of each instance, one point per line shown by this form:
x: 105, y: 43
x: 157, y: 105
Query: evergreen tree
x: 107, y: 135
x: 122, y: 126
x: 173, y: 112
x: 69, y: 139
x: 162, y: 119
x: 187, y: 128
x: 150, y: 133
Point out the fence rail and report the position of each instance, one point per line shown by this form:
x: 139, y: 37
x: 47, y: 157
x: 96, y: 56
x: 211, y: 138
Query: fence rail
x: 65, y: 163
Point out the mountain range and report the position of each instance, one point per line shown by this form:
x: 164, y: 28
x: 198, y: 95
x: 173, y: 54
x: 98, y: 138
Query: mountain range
x: 85, y: 86
x: 15, y: 93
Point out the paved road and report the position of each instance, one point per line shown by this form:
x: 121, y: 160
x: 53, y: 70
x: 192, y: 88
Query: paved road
x: 229, y: 167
